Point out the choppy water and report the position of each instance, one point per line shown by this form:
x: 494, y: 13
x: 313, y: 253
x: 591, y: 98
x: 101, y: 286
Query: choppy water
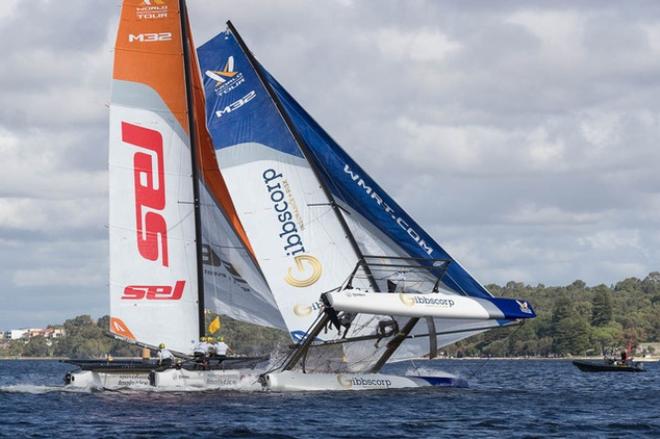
x: 506, y: 398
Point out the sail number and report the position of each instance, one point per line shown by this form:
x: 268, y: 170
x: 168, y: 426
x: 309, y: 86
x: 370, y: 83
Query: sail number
x: 149, y: 185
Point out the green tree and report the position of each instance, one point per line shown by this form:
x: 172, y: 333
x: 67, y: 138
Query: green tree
x: 601, y: 311
x: 37, y: 347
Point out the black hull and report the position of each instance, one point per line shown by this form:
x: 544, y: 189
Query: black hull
x: 606, y: 366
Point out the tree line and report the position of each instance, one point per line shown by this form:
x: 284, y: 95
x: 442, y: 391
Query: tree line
x: 571, y: 320
x: 574, y: 320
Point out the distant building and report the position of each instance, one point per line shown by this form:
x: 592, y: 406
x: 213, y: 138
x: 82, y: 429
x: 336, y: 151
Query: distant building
x: 54, y: 332
x: 36, y: 332
x: 15, y: 334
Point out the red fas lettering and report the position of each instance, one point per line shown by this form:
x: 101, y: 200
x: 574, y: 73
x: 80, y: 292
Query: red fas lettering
x: 149, y: 183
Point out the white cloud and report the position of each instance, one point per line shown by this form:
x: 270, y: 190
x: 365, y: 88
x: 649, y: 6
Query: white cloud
x: 422, y: 45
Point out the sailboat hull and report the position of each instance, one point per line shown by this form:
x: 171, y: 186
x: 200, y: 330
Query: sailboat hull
x: 181, y: 379
x: 88, y: 379
x: 169, y: 379
x: 288, y: 381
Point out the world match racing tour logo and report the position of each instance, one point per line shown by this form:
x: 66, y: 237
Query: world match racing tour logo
x: 151, y: 10
x: 226, y: 79
x: 308, y: 269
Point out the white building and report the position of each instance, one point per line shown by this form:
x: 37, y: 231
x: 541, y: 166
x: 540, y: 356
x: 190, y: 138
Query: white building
x: 15, y: 334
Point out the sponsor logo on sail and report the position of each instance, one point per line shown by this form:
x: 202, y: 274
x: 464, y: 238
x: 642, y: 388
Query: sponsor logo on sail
x: 305, y: 310
x: 151, y: 10
x: 399, y: 220
x: 308, y: 269
x: 221, y: 269
x: 154, y: 292
x: 524, y: 306
x: 149, y: 187
x: 304, y: 264
x: 410, y: 300
x: 150, y: 37
x: 226, y: 79
x: 236, y: 104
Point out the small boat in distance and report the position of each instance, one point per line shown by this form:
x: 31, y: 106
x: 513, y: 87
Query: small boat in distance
x: 609, y: 364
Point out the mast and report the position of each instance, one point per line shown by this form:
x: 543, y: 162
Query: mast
x: 318, y: 172
x: 193, y: 154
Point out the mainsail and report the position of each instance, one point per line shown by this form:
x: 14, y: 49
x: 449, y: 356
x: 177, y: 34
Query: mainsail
x: 177, y: 247
x: 313, y: 215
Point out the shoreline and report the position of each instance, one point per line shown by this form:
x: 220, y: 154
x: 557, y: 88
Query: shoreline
x: 641, y: 359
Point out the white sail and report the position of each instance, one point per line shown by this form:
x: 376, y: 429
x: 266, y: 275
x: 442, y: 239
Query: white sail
x: 153, y: 258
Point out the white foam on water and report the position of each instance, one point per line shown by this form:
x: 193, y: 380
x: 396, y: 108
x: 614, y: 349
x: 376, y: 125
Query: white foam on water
x: 35, y: 389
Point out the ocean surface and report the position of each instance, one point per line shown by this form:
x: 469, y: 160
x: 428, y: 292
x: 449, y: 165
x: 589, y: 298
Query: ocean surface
x: 506, y: 398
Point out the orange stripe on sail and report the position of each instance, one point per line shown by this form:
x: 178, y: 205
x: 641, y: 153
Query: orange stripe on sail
x: 117, y: 326
x: 148, y: 50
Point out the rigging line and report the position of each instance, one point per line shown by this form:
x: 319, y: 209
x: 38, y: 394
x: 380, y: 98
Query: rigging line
x: 296, y: 346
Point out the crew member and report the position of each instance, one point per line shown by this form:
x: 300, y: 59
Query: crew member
x: 221, y: 348
x: 201, y: 352
x: 165, y: 357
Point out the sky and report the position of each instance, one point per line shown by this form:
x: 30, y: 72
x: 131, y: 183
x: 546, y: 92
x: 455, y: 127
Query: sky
x: 523, y: 136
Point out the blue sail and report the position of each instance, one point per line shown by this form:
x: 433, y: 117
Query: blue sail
x: 286, y: 176
x: 354, y: 186
x: 231, y: 86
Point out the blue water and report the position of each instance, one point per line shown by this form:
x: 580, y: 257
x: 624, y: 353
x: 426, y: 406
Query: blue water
x: 506, y: 399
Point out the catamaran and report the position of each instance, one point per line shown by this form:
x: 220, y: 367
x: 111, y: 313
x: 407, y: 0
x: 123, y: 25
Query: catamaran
x: 177, y: 248
x: 357, y: 281
x: 226, y: 196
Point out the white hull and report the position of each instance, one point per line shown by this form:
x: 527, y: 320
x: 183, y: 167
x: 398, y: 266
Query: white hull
x: 297, y: 382
x: 232, y: 379
x: 87, y: 379
x: 170, y: 379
